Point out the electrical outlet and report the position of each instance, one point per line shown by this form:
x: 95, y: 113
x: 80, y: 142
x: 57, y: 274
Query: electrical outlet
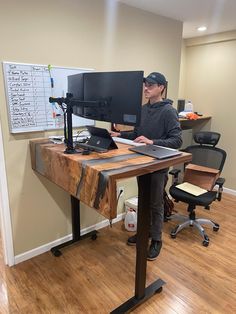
x: 120, y: 191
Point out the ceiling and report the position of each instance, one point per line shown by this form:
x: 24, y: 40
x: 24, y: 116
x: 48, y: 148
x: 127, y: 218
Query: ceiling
x: 217, y: 15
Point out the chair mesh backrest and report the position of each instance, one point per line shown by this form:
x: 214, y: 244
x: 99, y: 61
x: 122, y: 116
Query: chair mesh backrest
x: 207, y: 156
x: 207, y: 138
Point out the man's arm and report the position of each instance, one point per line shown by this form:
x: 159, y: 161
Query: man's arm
x: 131, y: 135
x: 173, y: 134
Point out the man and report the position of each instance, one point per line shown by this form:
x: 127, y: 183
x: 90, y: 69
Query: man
x: 160, y: 126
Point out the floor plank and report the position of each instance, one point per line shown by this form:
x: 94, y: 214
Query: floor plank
x: 97, y: 276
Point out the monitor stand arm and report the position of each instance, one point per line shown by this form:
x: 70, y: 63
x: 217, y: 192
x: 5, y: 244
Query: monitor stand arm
x: 71, y: 104
x: 69, y: 136
x: 68, y: 133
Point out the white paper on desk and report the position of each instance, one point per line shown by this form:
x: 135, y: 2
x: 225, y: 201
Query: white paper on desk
x: 191, y: 188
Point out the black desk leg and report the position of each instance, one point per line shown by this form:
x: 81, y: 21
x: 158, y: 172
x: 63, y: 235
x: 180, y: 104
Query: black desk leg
x: 141, y: 293
x: 75, y: 218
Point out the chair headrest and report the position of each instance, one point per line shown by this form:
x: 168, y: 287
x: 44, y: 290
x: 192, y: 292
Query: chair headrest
x: 207, y: 138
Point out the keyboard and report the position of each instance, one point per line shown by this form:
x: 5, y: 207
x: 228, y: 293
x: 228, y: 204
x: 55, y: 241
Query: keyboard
x: 91, y: 147
x: 80, y: 140
x: 126, y: 141
x: 60, y: 139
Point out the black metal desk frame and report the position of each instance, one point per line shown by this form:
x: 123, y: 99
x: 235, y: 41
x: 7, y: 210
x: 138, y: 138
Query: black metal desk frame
x: 142, y: 293
x: 76, y: 232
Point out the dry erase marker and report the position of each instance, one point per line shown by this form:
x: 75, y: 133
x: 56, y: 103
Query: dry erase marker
x: 51, y: 78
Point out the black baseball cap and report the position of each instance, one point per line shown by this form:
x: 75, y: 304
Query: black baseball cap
x: 155, y: 78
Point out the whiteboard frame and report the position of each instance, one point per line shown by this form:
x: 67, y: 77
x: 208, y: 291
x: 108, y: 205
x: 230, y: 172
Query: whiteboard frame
x: 37, y: 129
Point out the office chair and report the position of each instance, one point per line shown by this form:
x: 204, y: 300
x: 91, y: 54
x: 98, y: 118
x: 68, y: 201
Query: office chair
x: 204, y: 154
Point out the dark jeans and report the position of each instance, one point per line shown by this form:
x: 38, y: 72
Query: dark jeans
x: 158, y: 182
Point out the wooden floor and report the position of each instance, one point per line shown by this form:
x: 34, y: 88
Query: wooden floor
x: 97, y: 276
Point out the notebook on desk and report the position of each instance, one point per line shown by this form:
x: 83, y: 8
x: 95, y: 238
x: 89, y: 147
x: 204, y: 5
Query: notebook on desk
x: 156, y: 151
x: 100, y: 139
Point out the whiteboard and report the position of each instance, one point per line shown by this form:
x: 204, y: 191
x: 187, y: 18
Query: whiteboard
x: 28, y: 88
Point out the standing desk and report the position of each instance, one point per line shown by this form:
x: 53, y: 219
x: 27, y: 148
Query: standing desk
x: 92, y: 180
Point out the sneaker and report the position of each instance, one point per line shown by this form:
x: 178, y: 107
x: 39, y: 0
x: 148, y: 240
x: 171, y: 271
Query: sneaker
x: 154, y: 250
x: 133, y: 239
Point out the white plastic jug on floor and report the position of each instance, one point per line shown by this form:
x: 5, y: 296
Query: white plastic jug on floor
x: 131, y: 220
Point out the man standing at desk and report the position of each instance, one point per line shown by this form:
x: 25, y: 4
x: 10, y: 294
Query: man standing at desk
x: 159, y: 126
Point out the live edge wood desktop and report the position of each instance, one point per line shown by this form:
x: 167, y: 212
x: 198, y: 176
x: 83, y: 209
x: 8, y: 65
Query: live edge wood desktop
x: 92, y: 180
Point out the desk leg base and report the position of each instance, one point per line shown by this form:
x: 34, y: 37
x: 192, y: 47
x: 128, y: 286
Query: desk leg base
x: 131, y: 304
x: 56, y: 249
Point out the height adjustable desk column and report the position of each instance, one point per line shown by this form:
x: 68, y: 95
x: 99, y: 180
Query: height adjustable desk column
x: 92, y: 179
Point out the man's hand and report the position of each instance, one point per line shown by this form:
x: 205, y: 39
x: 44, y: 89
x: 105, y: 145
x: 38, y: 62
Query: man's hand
x: 143, y: 139
x: 116, y: 134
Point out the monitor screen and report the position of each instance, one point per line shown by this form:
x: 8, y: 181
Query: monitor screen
x: 108, y: 96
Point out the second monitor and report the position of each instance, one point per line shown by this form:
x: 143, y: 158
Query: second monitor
x: 108, y: 96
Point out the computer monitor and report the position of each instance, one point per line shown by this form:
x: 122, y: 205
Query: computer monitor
x: 180, y: 105
x: 107, y: 96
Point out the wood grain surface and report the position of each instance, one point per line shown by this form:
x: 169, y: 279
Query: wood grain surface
x: 92, y: 178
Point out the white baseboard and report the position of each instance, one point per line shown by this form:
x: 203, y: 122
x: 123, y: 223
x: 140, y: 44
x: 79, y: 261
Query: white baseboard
x: 46, y: 247
x: 229, y: 191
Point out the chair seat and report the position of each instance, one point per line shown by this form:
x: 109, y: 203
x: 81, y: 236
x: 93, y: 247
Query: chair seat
x: 202, y: 200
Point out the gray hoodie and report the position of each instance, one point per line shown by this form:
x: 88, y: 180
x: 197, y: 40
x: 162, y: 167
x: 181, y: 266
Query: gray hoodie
x: 160, y: 123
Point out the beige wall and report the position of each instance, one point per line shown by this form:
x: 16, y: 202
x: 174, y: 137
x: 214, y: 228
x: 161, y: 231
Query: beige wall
x: 74, y: 33
x: 182, y: 76
x: 209, y: 80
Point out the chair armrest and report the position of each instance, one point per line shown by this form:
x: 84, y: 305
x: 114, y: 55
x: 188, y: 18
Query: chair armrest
x: 175, y: 173
x: 220, y: 182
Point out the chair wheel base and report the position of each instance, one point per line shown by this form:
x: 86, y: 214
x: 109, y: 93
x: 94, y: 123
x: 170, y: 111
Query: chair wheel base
x: 206, y: 241
x: 173, y: 232
x: 216, y: 227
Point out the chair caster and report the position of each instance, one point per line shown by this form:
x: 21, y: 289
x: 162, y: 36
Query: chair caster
x: 206, y: 241
x: 56, y: 253
x: 216, y: 227
x: 94, y: 237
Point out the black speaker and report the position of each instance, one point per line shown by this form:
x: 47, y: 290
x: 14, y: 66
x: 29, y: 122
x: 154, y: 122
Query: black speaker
x: 181, y: 105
